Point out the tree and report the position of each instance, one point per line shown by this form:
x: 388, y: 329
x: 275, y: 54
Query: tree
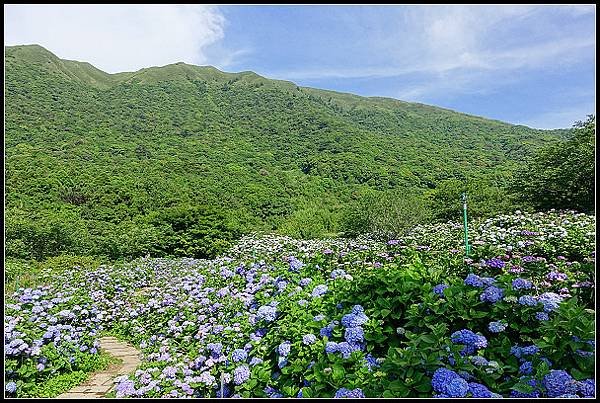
x: 562, y: 176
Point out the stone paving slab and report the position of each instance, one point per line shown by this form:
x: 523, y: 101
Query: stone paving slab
x: 103, y: 382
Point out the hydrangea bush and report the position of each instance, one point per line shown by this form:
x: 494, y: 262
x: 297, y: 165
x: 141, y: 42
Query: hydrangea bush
x: 279, y: 317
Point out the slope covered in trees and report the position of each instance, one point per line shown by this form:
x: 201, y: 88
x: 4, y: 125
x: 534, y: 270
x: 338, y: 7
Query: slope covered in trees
x: 182, y: 159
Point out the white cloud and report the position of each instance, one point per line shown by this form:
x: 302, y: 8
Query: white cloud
x: 117, y: 38
x: 453, y: 43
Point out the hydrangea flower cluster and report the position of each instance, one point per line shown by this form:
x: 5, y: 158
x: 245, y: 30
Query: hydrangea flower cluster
x: 522, y: 284
x: 470, y: 340
x: 492, y: 294
x: 496, y: 327
x: 559, y: 382
x: 354, y: 393
x: 439, y: 289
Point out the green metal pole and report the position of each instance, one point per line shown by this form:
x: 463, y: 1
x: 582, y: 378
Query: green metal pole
x: 467, y: 246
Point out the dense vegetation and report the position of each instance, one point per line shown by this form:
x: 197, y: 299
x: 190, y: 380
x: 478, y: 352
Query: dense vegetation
x: 181, y: 160
x: 280, y: 317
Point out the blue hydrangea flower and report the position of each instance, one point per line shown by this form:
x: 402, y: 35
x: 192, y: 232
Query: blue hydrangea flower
x: 472, y: 341
x: 319, y: 318
x: 354, y: 320
x: 473, y: 280
x: 337, y: 273
x: 526, y: 368
x: 241, y: 374
x: 345, y: 348
x: 457, y: 387
x: 354, y: 335
x: 439, y: 289
x: 441, y: 379
x: 550, y: 300
x: 215, y: 348
x: 587, y: 387
x: 496, y: 327
x: 358, y: 309
x: 267, y: 313
x: 559, y: 382
x: 319, y: 290
x: 371, y: 362
x: 528, y: 300
x: 10, y: 387
x: 305, y: 281
x: 492, y: 294
x: 521, y: 284
x: 327, y: 330
x: 331, y: 347
x: 530, y: 350
x: 479, y: 390
x: 272, y: 392
x: 542, y: 316
x: 284, y: 348
x: 239, y: 355
x: 295, y: 264
x: 355, y: 393
x: 309, y: 339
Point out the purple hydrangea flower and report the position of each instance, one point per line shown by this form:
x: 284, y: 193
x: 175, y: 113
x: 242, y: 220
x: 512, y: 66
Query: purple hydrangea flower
x: 495, y: 263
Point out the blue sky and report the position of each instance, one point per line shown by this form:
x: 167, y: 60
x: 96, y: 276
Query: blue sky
x: 532, y: 65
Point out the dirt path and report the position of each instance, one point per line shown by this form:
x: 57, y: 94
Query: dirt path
x: 102, y: 382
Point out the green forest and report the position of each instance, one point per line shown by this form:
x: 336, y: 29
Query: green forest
x: 182, y: 160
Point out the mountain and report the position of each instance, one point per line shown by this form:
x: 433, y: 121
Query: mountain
x: 106, y: 160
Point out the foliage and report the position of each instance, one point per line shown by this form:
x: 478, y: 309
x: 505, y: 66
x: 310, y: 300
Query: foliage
x: 563, y: 175
x: 94, y: 159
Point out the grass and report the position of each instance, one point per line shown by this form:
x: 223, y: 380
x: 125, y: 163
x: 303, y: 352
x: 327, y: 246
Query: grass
x: 61, y: 383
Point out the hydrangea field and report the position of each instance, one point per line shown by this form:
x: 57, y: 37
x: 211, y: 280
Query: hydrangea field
x: 279, y: 317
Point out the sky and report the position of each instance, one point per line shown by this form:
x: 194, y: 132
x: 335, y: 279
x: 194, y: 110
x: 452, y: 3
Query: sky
x: 524, y: 64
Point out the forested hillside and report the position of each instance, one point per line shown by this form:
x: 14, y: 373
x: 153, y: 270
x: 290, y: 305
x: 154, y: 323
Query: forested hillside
x: 182, y: 159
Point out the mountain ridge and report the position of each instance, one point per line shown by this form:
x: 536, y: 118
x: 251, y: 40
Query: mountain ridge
x: 103, y: 80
